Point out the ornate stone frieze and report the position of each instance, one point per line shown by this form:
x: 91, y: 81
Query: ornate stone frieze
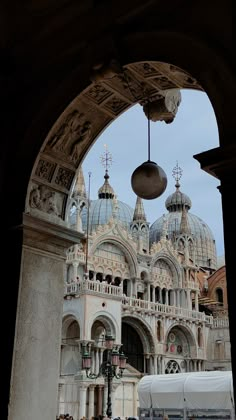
x: 64, y: 177
x: 44, y: 199
x: 98, y: 93
x: 75, y: 130
x: 116, y: 105
x: 45, y: 169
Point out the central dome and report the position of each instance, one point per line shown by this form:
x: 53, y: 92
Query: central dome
x: 105, y: 208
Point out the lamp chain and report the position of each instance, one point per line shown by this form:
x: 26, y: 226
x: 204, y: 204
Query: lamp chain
x: 149, y: 147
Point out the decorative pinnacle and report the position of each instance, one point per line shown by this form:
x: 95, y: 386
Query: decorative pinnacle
x: 106, y: 158
x: 177, y: 173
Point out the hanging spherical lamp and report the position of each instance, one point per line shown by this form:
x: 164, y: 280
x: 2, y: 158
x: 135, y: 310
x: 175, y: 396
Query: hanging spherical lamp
x: 149, y: 180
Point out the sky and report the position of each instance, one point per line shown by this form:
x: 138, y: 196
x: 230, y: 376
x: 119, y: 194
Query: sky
x: 194, y: 130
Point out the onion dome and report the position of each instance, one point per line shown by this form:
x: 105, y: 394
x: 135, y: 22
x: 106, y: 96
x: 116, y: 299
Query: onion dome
x: 105, y: 208
x: 178, y: 200
x: 106, y: 191
x: 180, y: 221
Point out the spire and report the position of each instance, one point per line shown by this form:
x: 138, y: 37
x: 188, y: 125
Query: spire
x: 139, y: 213
x: 184, y: 225
x: 79, y: 189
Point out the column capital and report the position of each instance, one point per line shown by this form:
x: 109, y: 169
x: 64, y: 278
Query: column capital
x: 92, y: 386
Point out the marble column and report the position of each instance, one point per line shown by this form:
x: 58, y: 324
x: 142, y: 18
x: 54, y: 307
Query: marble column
x: 189, y: 300
x: 91, y: 401
x: 36, y: 362
x: 82, y: 399
x: 196, y: 301
x: 75, y: 269
x: 105, y: 392
x: 99, y: 409
x: 135, y: 405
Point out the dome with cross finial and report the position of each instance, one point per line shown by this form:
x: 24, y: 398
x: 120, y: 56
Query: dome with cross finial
x: 178, y: 205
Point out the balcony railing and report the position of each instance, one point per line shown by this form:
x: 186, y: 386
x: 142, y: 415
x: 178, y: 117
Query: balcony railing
x: 82, y: 287
x: 89, y: 286
x: 221, y: 322
x: 171, y: 311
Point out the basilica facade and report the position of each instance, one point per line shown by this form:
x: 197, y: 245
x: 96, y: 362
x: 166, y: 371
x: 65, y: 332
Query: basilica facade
x: 157, y: 289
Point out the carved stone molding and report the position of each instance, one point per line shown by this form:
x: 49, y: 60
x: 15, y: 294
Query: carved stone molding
x: 48, y: 236
x: 164, y: 108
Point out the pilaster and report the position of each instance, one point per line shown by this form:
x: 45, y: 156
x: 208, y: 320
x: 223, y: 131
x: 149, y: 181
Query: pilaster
x: 36, y: 362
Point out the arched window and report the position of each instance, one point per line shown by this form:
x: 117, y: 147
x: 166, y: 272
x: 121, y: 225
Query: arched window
x: 219, y: 295
x: 199, y: 337
x: 132, y: 347
x: 159, y: 330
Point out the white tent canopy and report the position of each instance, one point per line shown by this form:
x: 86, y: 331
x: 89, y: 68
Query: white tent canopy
x: 192, y: 390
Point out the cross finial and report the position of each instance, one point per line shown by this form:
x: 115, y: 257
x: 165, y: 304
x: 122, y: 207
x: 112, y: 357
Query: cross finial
x: 177, y: 173
x: 106, y: 158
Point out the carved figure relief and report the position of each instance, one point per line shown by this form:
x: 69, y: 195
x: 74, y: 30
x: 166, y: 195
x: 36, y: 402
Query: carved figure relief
x: 45, y: 169
x: 43, y: 199
x: 71, y: 133
x: 64, y: 177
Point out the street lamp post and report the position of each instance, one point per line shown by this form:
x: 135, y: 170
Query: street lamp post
x: 108, y: 369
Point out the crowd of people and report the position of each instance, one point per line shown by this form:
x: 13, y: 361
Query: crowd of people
x: 68, y: 417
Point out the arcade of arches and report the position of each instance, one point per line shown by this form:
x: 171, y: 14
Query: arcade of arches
x: 68, y: 70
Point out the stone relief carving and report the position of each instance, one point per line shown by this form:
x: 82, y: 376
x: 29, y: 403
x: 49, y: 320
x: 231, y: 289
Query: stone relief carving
x: 64, y: 177
x: 41, y: 198
x: 45, y: 169
x: 115, y: 105
x: 164, y: 108
x: 75, y: 130
x: 98, y: 94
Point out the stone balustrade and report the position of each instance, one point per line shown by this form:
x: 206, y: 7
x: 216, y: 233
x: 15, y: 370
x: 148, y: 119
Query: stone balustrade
x: 75, y: 256
x: 171, y: 311
x: 89, y: 286
x: 220, y: 323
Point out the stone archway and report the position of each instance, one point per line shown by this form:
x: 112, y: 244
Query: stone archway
x: 79, y: 125
x: 51, y: 179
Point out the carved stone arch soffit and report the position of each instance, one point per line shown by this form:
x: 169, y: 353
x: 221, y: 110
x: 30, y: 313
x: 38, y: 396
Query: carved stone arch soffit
x: 107, y: 320
x: 78, y: 127
x: 124, y: 246
x: 143, y: 330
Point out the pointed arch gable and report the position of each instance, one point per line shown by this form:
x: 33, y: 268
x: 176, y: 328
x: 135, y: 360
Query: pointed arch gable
x: 172, y: 263
x: 124, y: 246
